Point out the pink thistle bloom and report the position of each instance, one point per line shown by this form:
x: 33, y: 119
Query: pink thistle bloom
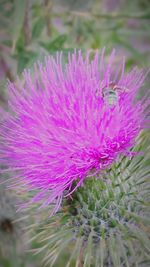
x: 66, y: 121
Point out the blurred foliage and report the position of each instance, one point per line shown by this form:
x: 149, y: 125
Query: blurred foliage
x: 31, y: 29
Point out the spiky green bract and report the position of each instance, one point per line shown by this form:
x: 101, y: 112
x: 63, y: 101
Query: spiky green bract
x: 105, y: 222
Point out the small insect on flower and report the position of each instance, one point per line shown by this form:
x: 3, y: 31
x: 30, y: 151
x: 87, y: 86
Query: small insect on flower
x: 57, y: 130
x: 110, y: 92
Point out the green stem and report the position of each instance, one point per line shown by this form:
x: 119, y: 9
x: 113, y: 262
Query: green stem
x: 145, y: 15
x: 48, y: 10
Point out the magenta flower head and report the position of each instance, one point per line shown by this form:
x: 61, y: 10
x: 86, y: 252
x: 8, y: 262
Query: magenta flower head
x: 68, y: 121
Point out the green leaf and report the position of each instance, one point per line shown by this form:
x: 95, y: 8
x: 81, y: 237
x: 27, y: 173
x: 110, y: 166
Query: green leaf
x: 56, y: 44
x: 38, y: 27
x: 18, y: 18
x: 25, y: 58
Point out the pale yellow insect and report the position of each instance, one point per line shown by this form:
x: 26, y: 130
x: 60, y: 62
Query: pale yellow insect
x: 110, y: 92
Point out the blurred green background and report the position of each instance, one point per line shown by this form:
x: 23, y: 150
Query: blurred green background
x: 31, y: 29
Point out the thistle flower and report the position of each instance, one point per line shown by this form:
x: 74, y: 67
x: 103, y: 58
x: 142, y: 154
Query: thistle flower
x: 67, y: 121
x: 12, y: 232
x: 106, y: 223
